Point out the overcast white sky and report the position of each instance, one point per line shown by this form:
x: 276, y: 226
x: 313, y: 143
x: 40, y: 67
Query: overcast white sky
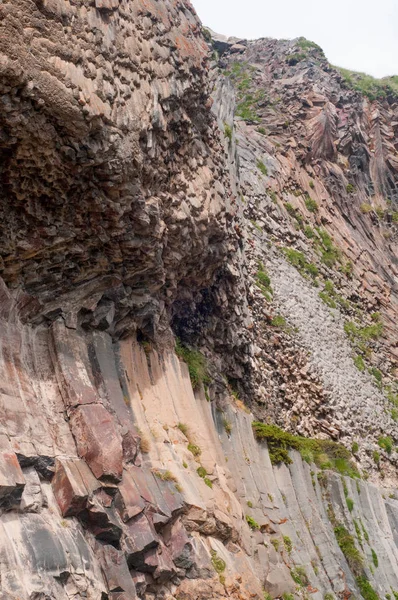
x: 356, y: 34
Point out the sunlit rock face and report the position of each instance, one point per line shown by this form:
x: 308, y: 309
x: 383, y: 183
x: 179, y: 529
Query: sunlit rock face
x: 239, y: 196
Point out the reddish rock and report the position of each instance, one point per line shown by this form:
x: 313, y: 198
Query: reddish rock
x: 12, y: 481
x: 139, y: 536
x: 72, y: 484
x: 116, y: 572
x: 129, y: 501
x: 158, y: 561
x: 98, y: 441
x: 179, y: 544
x: 103, y: 522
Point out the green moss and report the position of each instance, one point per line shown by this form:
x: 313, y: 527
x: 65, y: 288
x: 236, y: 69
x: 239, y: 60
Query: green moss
x: 326, y: 453
x: 261, y: 130
x: 350, y: 504
x: 354, y: 447
x: 309, y: 232
x: 299, y: 576
x: 346, y: 544
x: 377, y: 374
x: 376, y: 457
x: 367, y: 592
x: 261, y: 166
x: 208, y: 482
x: 218, y: 563
x: 328, y: 251
x: 185, y: 465
x: 365, y: 533
x: 287, y: 542
x: 250, y: 504
x: 386, y: 443
x: 311, y: 184
x: 328, y: 596
x: 196, y: 362
x: 350, y: 188
x: 252, y: 523
x: 366, y: 333
x: 374, y: 558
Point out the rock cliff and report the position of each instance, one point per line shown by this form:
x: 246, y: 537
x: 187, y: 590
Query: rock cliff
x: 198, y: 302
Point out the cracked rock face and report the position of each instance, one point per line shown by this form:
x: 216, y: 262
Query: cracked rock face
x: 113, y: 191
x: 145, y: 189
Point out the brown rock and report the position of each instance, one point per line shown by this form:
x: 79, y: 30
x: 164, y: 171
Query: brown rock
x: 72, y: 484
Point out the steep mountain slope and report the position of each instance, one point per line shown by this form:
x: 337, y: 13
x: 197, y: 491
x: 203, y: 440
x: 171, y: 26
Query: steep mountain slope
x: 197, y: 241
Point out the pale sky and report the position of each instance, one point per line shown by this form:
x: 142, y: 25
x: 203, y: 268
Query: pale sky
x: 356, y: 34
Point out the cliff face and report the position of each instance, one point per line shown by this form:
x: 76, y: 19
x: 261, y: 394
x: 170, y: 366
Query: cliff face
x: 242, y: 202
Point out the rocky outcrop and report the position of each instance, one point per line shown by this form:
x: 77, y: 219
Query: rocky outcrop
x: 160, y: 181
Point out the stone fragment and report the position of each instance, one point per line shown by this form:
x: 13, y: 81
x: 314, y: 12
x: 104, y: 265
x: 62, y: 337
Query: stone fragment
x: 98, y: 441
x: 139, y: 536
x: 72, y: 484
x: 116, y: 572
x: 129, y: 501
x: 12, y: 481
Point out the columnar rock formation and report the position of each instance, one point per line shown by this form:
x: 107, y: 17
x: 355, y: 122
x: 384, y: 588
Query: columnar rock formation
x: 240, y: 197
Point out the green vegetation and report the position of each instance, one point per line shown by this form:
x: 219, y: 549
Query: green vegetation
x: 365, y: 208
x: 227, y: 426
x: 165, y: 475
x: 374, y: 558
x: 311, y: 205
x: 366, y: 333
x: 346, y: 543
x: 328, y: 596
x: 183, y: 428
x: 287, y: 597
x: 218, y: 563
x: 287, y: 542
x: 370, y: 86
x: 185, y: 465
x: 299, y: 576
x: 298, y: 260
x: 328, y: 251
x: 263, y: 282
x: 275, y: 543
x: 376, y: 457
x: 261, y: 130
x: 228, y: 131
x: 278, y: 321
x: 350, y: 188
x: 196, y: 451
x: 252, y: 523
x: 365, y: 533
x: 196, y: 362
x: 354, y: 447
x: 325, y: 453
x: 201, y: 471
x: 208, y: 482
x: 327, y: 299
x: 366, y: 589
x: 350, y: 504
x: 377, y: 374
x: 311, y: 184
x: 240, y: 73
x: 261, y: 166
x: 250, y: 504
x: 358, y: 531
x: 307, y: 45
x: 386, y: 443
x: 359, y: 363
x: 293, y: 59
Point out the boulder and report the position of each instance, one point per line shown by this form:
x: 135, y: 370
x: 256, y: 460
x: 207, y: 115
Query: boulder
x: 72, y: 484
